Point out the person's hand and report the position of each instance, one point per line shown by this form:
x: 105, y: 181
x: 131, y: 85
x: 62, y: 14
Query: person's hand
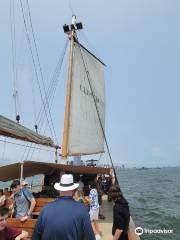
x: 18, y: 238
x: 23, y: 219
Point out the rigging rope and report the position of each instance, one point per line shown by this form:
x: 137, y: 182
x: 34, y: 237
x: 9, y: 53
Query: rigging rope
x: 54, y: 82
x: 91, y: 46
x: 14, y: 65
x: 40, y: 68
x: 36, y: 71
x: 51, y: 92
x: 34, y: 105
x: 23, y: 145
x: 97, y: 110
x: 71, y: 7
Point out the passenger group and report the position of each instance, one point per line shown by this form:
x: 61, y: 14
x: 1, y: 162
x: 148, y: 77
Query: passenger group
x: 72, y: 216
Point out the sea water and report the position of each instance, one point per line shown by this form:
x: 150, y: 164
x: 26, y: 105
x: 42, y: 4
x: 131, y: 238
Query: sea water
x: 154, y: 199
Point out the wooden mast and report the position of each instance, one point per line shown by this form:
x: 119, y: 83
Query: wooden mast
x: 71, y: 34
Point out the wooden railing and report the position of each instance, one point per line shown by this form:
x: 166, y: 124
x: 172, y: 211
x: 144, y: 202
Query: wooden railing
x: 30, y: 223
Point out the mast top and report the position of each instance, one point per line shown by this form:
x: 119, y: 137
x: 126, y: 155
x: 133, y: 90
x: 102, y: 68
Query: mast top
x: 73, y: 19
x: 75, y: 26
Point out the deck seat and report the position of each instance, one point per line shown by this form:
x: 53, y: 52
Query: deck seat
x: 8, y: 193
x: 40, y: 203
x: 27, y: 226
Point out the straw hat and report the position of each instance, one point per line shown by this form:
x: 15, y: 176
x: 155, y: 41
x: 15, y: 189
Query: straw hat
x: 66, y: 183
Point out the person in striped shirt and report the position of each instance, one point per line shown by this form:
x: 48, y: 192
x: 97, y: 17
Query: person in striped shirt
x: 94, y: 210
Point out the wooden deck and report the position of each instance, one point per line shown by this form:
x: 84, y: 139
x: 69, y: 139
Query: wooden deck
x: 106, y: 224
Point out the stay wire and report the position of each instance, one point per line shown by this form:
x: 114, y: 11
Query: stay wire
x: 56, y: 78
x: 23, y: 145
x: 54, y: 81
x: 71, y: 7
x: 40, y: 68
x: 51, y: 94
x: 14, y: 66
x: 36, y: 73
x: 34, y: 64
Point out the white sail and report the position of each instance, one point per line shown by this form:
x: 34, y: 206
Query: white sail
x: 85, y: 131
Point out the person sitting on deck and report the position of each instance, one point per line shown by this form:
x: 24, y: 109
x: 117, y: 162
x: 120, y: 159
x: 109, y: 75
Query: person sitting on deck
x: 2, y: 198
x: 64, y: 219
x: 24, y: 201
x: 8, y: 233
x: 121, y: 215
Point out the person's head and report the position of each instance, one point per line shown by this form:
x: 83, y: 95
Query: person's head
x: 1, y: 192
x: 77, y: 194
x: 25, y: 184
x: 15, y: 186
x: 99, y: 179
x: 92, y: 185
x: 5, y: 190
x: 80, y: 178
x: 3, y: 217
x: 115, y: 193
x: 66, y: 186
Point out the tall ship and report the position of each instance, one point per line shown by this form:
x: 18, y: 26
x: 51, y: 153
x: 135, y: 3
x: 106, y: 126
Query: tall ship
x: 83, y: 133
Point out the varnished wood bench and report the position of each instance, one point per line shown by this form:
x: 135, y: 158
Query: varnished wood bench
x: 41, y: 202
x: 27, y: 226
x: 8, y: 194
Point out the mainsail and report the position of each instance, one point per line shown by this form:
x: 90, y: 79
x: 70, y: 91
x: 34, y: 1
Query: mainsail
x: 87, y: 104
x: 12, y: 129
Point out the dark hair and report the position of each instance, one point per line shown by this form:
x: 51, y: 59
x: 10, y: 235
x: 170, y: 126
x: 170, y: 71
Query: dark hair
x: 15, y: 183
x: 1, y: 191
x: 115, y: 192
x: 92, y: 185
x: 4, y: 211
x: 99, y: 178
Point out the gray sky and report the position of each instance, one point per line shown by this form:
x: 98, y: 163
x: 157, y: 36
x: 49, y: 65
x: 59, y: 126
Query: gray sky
x: 139, y: 42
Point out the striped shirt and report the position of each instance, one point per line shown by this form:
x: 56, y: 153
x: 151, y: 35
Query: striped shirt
x: 93, y: 196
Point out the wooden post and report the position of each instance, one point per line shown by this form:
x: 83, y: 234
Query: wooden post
x: 21, y: 173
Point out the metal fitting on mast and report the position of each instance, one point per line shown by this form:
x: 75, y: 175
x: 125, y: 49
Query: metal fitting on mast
x: 72, y: 27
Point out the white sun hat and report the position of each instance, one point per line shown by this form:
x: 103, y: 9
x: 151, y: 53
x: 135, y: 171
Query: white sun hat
x: 66, y: 183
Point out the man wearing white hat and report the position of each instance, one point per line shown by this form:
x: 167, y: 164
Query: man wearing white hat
x: 64, y: 219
